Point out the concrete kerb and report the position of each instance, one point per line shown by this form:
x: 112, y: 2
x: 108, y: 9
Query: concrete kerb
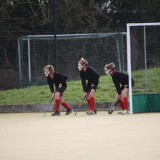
x: 42, y: 107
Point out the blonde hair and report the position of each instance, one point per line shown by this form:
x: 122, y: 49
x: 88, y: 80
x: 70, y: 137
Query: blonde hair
x: 49, y: 68
x: 109, y: 66
x: 82, y: 61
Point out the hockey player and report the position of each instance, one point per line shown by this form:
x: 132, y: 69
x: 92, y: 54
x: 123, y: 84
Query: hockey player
x: 121, y: 83
x: 57, y: 84
x: 90, y: 79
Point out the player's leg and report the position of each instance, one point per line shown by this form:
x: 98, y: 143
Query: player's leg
x: 88, y: 100
x: 92, y: 102
x: 57, y: 104
x: 65, y: 105
x: 120, y: 101
x: 63, y: 102
x: 125, y: 100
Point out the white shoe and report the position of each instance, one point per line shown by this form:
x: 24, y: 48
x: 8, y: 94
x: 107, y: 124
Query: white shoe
x: 120, y: 112
x: 124, y: 112
x: 91, y: 112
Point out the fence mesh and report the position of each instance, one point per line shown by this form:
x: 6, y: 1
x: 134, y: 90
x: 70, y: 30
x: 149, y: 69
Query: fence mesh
x: 99, y: 49
x: 21, y: 80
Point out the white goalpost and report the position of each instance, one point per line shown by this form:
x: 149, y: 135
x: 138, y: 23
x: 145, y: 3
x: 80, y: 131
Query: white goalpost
x: 143, y: 46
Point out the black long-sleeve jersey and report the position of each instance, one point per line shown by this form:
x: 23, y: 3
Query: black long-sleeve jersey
x: 120, y: 79
x: 57, y: 79
x: 91, y: 76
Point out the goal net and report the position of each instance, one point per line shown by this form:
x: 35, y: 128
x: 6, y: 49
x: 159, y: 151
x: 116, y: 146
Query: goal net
x: 143, y: 58
x: 35, y: 51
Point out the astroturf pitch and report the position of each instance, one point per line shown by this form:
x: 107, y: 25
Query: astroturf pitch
x: 33, y: 136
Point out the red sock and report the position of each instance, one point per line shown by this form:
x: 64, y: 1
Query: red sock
x: 64, y: 104
x: 125, y: 102
x: 88, y: 101
x: 57, y: 104
x: 92, y: 107
x: 121, y: 104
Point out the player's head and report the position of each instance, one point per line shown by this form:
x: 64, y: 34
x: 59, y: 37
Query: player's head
x: 82, y: 63
x: 109, y: 68
x: 48, y: 69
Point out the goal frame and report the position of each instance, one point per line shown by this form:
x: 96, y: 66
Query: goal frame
x: 129, y: 25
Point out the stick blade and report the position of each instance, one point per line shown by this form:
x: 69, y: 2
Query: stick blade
x: 112, y: 108
x: 110, y: 111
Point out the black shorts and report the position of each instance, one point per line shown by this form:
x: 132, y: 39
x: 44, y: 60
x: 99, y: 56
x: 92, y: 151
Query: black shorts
x: 126, y: 86
x: 89, y: 87
x: 62, y: 89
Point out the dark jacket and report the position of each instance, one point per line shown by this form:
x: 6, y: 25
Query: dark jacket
x: 120, y: 80
x: 91, y: 76
x: 57, y: 79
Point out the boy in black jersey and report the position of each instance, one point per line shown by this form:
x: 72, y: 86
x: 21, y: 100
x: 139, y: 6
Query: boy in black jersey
x: 59, y: 80
x: 90, y: 79
x: 121, y: 83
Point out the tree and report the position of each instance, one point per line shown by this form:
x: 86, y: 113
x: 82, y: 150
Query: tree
x: 27, y: 17
x: 21, y: 18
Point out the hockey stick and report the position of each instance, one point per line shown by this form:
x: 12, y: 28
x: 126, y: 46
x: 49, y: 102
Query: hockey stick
x: 113, y: 106
x: 47, y: 107
x: 83, y: 100
x: 80, y: 104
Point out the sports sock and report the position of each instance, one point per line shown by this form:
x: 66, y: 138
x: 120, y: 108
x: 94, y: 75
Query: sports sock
x: 88, y: 101
x: 92, y: 107
x: 57, y: 104
x: 121, y: 104
x: 64, y: 104
x: 125, y: 102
